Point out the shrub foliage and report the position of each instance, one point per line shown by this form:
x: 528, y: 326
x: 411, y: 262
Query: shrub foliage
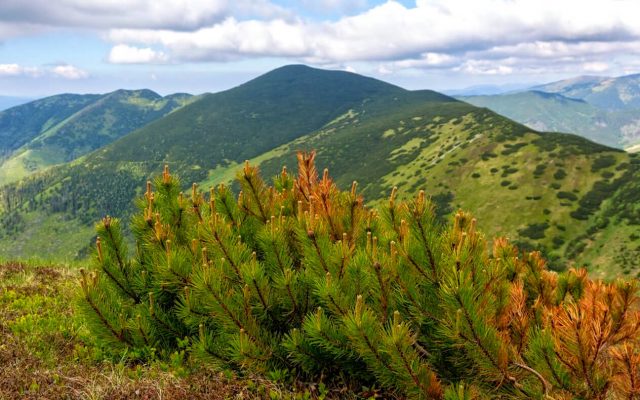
x: 301, y: 276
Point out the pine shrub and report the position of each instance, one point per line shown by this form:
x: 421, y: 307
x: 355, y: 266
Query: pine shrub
x: 301, y: 276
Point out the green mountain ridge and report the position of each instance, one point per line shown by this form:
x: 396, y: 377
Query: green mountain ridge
x: 556, y: 192
x: 546, y: 191
x: 270, y: 110
x: 19, y: 125
x: 62, y: 128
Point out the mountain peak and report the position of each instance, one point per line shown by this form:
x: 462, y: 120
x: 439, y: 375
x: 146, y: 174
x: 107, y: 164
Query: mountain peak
x: 143, y: 93
x: 309, y: 79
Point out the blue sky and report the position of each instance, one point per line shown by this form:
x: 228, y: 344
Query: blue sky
x: 53, y: 46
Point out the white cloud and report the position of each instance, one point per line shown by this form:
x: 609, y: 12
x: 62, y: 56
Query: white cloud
x: 19, y: 70
x: 124, y: 54
x: 178, y: 14
x: 65, y: 71
x: 483, y: 67
x: 156, y: 14
x: 349, y: 68
x: 558, y: 49
x: 475, y: 37
x: 10, y: 70
x: 427, y: 60
x: 228, y: 40
x: 434, y: 33
x: 384, y: 70
x: 595, y: 67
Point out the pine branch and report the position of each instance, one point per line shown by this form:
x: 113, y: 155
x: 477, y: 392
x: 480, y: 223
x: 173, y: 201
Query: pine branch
x: 478, y: 342
x: 118, y: 335
x: 546, y: 386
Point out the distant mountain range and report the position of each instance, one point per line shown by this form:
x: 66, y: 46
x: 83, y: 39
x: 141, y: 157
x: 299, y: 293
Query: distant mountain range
x: 62, y: 128
x: 481, y: 90
x: 605, y: 110
x: 560, y: 193
x: 11, y: 101
x: 612, y: 94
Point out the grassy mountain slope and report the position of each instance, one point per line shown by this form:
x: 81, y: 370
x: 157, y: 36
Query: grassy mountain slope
x: 249, y: 119
x: 549, y: 191
x: 19, y: 125
x: 215, y: 131
x: 62, y: 128
x: 545, y: 190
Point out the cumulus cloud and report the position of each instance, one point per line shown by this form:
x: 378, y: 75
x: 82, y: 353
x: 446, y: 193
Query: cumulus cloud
x: 124, y: 54
x: 475, y: 37
x: 384, y: 70
x: 65, y: 71
x: 10, y: 69
x: 19, y: 70
x: 428, y: 60
x: 595, y: 67
x: 349, y: 68
x: 457, y: 34
x: 157, y: 14
x: 69, y: 72
x: 483, y: 67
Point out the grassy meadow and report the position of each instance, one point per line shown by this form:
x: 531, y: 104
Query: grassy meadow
x: 47, y: 353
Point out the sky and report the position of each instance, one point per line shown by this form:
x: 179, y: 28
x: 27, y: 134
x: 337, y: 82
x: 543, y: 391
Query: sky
x: 196, y: 46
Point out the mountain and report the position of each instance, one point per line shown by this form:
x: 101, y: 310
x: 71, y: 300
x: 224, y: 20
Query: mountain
x: 605, y: 110
x: 612, y: 94
x: 249, y: 119
x: 552, y: 112
x: 11, y: 101
x: 569, y: 197
x: 19, y: 125
x: 576, y: 87
x: 560, y: 193
x: 62, y: 128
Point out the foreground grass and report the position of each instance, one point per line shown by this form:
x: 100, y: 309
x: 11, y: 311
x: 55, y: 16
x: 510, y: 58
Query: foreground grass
x: 46, y: 353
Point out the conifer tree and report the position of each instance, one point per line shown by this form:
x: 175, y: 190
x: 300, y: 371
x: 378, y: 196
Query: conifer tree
x: 303, y: 276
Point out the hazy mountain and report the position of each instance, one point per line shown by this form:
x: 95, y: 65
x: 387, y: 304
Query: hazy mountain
x: 553, y: 112
x: 561, y: 193
x: 481, y: 90
x: 606, y: 110
x: 11, y: 101
x: 612, y: 94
